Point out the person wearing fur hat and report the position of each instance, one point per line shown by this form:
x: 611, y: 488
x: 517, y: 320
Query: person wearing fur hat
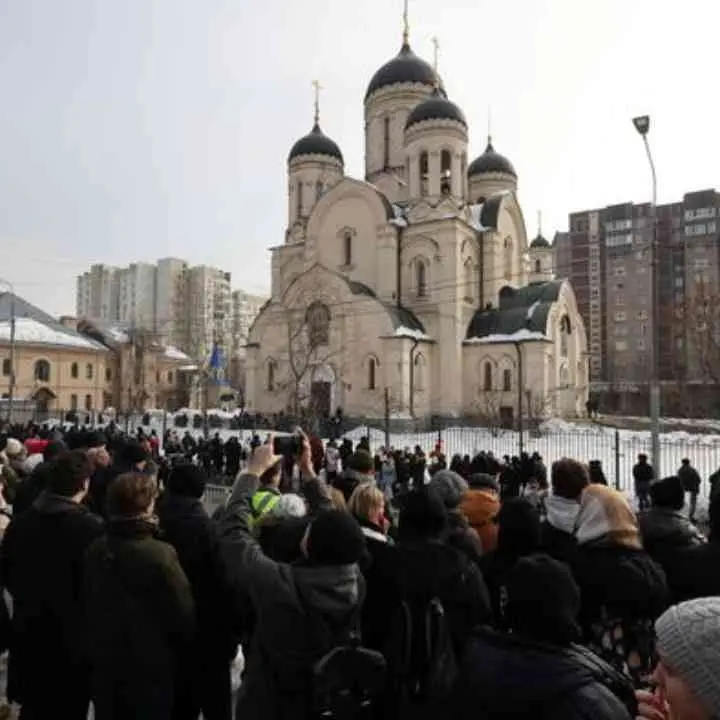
x: 688, y: 672
x: 623, y: 590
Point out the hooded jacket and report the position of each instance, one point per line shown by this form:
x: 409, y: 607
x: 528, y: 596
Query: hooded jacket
x: 506, y: 677
x: 287, y: 601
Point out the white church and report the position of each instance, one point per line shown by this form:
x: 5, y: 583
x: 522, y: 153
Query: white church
x: 415, y: 286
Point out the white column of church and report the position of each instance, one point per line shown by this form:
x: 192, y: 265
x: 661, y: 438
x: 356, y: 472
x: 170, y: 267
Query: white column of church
x: 457, y: 175
x: 414, y: 178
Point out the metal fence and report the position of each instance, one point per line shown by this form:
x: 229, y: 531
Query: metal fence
x: 617, y: 450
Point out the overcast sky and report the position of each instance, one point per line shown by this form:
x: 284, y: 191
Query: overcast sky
x: 137, y: 129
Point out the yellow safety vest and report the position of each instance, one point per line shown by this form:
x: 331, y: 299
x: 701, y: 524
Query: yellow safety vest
x: 263, y: 501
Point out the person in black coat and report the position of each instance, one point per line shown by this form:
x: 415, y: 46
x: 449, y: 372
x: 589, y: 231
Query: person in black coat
x: 693, y: 572
x: 691, y: 481
x: 41, y: 562
x: 643, y: 475
x: 204, y: 682
x: 538, y: 672
x: 519, y: 534
x: 664, y: 528
x: 139, y: 609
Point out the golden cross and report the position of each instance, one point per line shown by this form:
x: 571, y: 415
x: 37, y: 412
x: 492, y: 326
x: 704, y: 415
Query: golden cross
x: 539, y: 222
x: 318, y: 88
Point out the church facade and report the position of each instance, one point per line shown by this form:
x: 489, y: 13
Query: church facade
x: 416, y: 288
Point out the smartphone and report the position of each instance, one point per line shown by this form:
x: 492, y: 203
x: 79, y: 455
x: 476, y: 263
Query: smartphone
x: 287, y: 445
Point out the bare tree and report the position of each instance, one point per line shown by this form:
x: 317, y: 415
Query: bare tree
x: 537, y: 407
x: 700, y: 318
x: 487, y: 410
x: 307, y: 347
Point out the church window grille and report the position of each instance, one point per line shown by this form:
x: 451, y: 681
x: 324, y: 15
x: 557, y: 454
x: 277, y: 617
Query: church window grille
x: 564, y: 335
x: 538, y: 266
x: 319, y: 189
x: 508, y: 258
x: 271, y: 375
x: 42, y: 371
x: 299, y: 200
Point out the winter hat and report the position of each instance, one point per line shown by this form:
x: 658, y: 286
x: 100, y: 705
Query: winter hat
x: 133, y: 452
x: 449, y: 487
x: 14, y: 449
x: 289, y: 506
x: 422, y: 515
x: 484, y: 481
x: 95, y: 440
x: 668, y: 493
x: 187, y: 480
x: 335, y: 538
x: 688, y: 638
x: 362, y: 462
x: 569, y: 478
x: 519, y: 528
x: 606, y: 514
x: 543, y: 600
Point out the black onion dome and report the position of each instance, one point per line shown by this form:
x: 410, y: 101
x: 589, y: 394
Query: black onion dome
x: 436, y: 107
x: 539, y: 242
x: 405, y: 67
x: 315, y: 143
x: 491, y: 162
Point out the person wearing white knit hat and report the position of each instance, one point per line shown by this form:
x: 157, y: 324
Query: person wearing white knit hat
x: 688, y: 673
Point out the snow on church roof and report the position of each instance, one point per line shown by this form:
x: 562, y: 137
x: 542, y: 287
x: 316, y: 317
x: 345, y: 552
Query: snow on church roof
x: 32, y: 332
x: 518, y: 336
x: 174, y: 353
x: 406, y: 332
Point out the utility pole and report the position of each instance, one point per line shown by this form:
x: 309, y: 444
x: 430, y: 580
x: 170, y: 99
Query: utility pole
x: 520, y: 392
x: 387, y: 417
x: 642, y: 125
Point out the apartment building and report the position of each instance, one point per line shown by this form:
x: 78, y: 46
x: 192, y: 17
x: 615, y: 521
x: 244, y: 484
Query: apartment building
x: 136, y: 304
x: 98, y: 292
x: 606, y: 255
x: 203, y: 312
x: 245, y: 308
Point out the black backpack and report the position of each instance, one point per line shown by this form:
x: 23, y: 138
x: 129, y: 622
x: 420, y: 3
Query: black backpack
x: 347, y: 678
x: 423, y: 658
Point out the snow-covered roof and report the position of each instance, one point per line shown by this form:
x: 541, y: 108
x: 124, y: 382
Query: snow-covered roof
x: 32, y: 332
x: 406, y: 332
x: 519, y: 336
x: 173, y: 353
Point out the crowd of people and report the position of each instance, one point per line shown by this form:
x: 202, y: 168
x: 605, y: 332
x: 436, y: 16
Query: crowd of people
x: 352, y: 584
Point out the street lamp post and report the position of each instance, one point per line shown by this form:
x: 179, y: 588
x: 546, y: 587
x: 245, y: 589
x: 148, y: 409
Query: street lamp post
x: 13, y: 376
x: 642, y: 125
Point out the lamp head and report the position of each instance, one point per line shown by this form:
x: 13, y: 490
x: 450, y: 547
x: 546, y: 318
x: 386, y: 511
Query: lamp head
x: 642, y: 124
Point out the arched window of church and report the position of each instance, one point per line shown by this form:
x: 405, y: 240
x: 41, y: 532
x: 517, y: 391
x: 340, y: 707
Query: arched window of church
x: 424, y: 174
x: 564, y: 336
x: 508, y: 258
x: 507, y: 380
x: 319, y: 189
x: 299, y: 200
x: 372, y: 371
x: 421, y: 278
x: 419, y: 372
x: 469, y: 280
x: 487, y: 377
x: 271, y: 375
x: 386, y: 142
x: 538, y: 266
x: 317, y: 318
x: 445, y: 172
x: 347, y: 248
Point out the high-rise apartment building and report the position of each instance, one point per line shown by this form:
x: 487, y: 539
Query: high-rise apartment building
x: 203, y: 312
x: 188, y: 307
x: 245, y: 308
x: 606, y: 255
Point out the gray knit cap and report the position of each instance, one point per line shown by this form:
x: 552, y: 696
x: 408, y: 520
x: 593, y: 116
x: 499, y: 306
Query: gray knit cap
x: 688, y: 637
x: 449, y: 487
